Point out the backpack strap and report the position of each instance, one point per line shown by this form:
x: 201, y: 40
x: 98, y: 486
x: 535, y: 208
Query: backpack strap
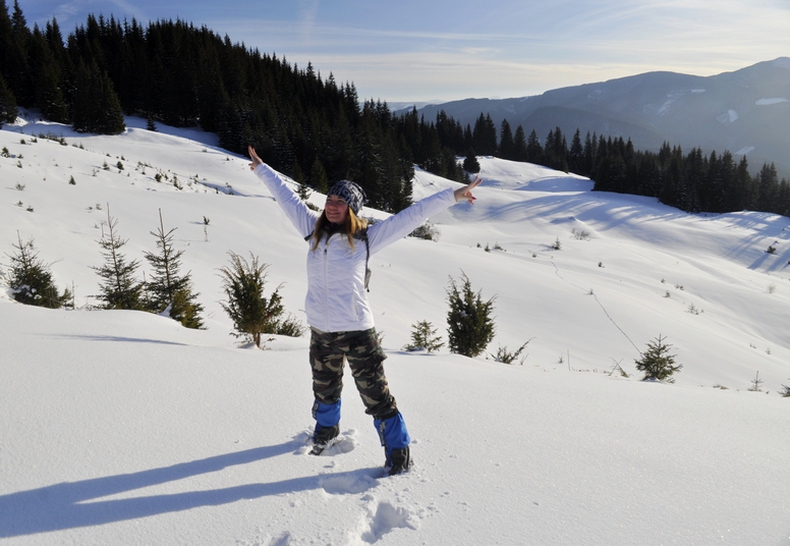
x: 362, y: 235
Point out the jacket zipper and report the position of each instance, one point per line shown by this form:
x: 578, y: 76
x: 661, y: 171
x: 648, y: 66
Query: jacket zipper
x: 326, y: 289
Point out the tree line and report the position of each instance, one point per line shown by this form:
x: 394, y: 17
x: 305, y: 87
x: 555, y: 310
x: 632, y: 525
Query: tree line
x: 693, y: 181
x: 316, y: 130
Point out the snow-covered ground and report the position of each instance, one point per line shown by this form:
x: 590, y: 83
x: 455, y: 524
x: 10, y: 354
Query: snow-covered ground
x: 122, y: 427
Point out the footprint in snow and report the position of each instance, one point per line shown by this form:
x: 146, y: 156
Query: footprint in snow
x: 344, y: 443
x: 349, y: 483
x: 383, y: 518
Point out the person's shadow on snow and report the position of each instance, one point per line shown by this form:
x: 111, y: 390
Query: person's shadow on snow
x: 72, y: 505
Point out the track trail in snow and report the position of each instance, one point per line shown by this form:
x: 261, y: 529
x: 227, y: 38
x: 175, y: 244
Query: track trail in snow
x: 598, y: 301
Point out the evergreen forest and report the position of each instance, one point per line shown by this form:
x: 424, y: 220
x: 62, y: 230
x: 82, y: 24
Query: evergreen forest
x: 317, y: 130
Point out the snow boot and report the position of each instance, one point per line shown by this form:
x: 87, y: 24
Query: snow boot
x: 323, y: 437
x: 395, y: 439
x: 398, y: 460
x: 327, y: 428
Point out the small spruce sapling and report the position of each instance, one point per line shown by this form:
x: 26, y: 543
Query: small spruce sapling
x: 505, y: 356
x: 756, y: 383
x: 31, y: 280
x: 119, y: 289
x: 304, y: 192
x: 424, y: 338
x: 657, y: 363
x: 168, y: 290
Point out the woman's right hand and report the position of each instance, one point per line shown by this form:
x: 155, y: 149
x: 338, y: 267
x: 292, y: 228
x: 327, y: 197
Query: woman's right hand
x: 466, y: 191
x: 254, y: 156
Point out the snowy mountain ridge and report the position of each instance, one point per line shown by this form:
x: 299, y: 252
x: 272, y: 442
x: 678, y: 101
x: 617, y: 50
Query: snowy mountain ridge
x: 745, y: 111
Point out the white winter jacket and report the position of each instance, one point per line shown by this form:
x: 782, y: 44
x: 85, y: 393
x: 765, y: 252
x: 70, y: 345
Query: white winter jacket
x: 336, y: 297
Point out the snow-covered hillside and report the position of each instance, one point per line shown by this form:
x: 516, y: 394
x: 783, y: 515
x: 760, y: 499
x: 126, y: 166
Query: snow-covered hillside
x: 124, y: 428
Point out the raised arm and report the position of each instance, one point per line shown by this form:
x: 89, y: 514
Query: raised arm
x: 399, y: 225
x: 297, y: 212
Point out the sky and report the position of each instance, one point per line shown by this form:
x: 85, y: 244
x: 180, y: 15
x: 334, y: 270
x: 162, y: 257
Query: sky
x: 124, y: 428
x: 443, y: 50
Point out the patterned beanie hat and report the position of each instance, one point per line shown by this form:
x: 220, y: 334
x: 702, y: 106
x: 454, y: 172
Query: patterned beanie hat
x: 351, y: 193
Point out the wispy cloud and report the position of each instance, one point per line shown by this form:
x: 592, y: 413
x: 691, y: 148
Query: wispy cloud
x: 75, y: 12
x: 448, y: 75
x: 129, y: 7
x: 308, y: 14
x: 65, y: 12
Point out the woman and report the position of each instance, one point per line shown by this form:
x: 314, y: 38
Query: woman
x: 340, y: 318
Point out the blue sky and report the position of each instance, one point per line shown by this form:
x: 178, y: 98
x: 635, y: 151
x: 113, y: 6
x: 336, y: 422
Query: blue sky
x: 453, y: 49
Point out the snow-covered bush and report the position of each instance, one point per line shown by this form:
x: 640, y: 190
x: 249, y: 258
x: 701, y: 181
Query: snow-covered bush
x: 426, y: 231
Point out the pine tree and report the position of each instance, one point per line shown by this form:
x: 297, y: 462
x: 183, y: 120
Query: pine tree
x: 471, y: 165
x: 576, y: 153
x: 168, y: 290
x: 657, y: 363
x: 556, y: 151
x: 507, y: 146
x: 534, y: 149
x: 470, y: 325
x: 252, y: 313
x: 520, y: 145
x: 484, y: 135
x: 96, y: 108
x: 590, y: 155
x: 49, y: 97
x: 118, y: 289
x: 17, y: 71
x: 767, y: 188
x: 31, y: 281
x: 318, y: 177
x: 6, y: 39
x: 8, y: 109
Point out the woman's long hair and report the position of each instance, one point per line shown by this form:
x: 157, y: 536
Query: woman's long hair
x: 351, y: 226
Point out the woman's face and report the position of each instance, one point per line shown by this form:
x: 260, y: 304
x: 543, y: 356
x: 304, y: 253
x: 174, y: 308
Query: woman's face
x: 335, y: 209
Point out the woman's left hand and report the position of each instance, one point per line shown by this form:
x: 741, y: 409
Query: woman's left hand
x: 254, y: 156
x: 466, y: 191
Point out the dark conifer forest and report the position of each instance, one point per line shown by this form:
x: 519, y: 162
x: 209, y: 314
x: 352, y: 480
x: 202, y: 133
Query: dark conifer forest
x: 317, y: 130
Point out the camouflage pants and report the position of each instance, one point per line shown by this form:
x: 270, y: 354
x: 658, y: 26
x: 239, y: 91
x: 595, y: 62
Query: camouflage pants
x: 329, y: 350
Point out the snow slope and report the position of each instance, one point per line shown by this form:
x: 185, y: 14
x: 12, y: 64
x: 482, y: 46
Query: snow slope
x: 122, y: 427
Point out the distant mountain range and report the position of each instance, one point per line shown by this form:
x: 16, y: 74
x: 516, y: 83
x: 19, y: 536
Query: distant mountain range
x: 745, y: 112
